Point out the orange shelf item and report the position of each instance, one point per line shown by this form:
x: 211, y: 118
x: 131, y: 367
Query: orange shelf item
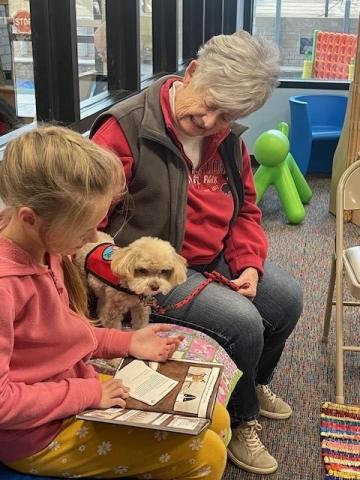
x: 334, y: 52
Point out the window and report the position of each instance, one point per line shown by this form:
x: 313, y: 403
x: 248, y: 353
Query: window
x: 17, y: 93
x: 66, y: 64
x: 179, y: 6
x: 91, y: 43
x: 319, y: 44
x: 146, y: 45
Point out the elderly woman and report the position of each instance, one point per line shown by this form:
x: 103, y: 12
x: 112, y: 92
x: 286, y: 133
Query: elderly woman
x: 189, y: 175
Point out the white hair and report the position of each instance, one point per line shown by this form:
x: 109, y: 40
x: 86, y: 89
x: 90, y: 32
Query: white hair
x: 238, y: 71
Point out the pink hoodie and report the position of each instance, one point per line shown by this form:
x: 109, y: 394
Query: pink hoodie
x: 44, y: 350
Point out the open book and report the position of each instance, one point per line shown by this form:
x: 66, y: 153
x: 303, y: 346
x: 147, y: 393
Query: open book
x: 176, y: 396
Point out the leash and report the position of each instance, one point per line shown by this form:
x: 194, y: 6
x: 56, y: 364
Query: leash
x: 210, y: 278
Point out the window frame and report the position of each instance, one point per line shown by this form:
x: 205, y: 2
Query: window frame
x: 214, y: 13
x: 165, y: 43
x: 55, y: 57
x: 248, y: 15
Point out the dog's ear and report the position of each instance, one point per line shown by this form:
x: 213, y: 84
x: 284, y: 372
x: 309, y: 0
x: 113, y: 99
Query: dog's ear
x: 123, y: 262
x: 180, y: 268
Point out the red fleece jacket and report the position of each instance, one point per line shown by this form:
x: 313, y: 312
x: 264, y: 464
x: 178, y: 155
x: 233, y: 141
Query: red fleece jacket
x: 210, y: 203
x: 45, y: 376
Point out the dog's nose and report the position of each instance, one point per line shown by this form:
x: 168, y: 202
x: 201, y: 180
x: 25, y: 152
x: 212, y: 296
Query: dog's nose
x: 154, y: 286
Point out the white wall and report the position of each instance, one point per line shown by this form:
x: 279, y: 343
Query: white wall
x: 276, y: 110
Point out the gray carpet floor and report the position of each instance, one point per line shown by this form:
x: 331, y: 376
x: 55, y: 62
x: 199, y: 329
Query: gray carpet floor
x: 305, y: 375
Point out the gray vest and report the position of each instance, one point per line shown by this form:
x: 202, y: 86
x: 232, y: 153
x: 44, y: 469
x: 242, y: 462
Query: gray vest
x: 158, y: 189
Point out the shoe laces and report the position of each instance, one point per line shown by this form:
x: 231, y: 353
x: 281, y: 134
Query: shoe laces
x: 250, y: 431
x: 268, y: 393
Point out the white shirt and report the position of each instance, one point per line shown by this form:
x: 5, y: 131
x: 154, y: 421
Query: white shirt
x: 191, y: 145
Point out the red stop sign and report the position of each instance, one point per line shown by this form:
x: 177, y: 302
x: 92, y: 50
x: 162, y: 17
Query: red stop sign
x: 22, y: 22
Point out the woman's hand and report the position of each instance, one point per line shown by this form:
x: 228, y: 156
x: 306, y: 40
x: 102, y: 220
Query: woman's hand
x: 113, y: 393
x: 248, y: 280
x: 146, y: 344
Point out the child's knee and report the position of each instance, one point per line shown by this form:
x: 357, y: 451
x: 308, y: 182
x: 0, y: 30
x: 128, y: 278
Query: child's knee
x: 220, y: 423
x: 213, y: 456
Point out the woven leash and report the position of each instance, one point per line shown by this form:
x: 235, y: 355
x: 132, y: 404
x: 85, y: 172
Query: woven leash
x: 210, y: 278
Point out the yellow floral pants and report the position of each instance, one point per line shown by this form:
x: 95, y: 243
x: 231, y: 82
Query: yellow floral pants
x: 102, y: 450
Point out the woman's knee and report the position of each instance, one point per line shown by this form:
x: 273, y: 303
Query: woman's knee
x: 296, y: 295
x: 247, y: 333
x: 280, y: 296
x: 292, y: 303
x: 235, y: 316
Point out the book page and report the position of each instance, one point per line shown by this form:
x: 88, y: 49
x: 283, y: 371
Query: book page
x: 144, y: 419
x: 197, y: 390
x: 145, y: 384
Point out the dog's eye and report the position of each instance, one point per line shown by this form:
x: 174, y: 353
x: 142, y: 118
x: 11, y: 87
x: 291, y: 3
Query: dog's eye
x: 141, y: 271
x: 166, y: 272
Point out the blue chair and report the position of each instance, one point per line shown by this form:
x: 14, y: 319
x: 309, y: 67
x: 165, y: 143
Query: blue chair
x: 316, y: 124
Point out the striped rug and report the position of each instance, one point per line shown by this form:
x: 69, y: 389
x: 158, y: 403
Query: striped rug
x: 340, y: 440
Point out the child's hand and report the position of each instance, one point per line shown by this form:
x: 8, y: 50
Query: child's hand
x: 113, y: 393
x: 147, y: 345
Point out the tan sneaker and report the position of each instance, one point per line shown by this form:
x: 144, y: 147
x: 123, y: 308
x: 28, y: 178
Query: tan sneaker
x: 272, y: 406
x: 247, y: 451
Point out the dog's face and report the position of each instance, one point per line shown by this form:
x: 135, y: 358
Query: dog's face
x: 149, y: 266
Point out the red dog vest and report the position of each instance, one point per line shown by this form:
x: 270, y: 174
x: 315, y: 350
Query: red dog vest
x: 97, y: 262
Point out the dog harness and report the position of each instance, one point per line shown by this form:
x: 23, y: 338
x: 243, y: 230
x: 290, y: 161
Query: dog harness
x: 98, y: 263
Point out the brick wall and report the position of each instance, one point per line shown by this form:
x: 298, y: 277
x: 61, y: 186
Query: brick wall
x: 292, y: 29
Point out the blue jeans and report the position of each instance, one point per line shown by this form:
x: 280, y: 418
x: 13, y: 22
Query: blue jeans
x: 252, y: 332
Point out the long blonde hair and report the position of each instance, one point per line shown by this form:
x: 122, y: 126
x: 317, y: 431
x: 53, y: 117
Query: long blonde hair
x: 59, y: 174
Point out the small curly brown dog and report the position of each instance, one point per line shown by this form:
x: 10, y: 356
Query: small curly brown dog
x: 145, y: 268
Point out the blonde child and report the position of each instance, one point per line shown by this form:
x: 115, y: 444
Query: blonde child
x: 57, y: 187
